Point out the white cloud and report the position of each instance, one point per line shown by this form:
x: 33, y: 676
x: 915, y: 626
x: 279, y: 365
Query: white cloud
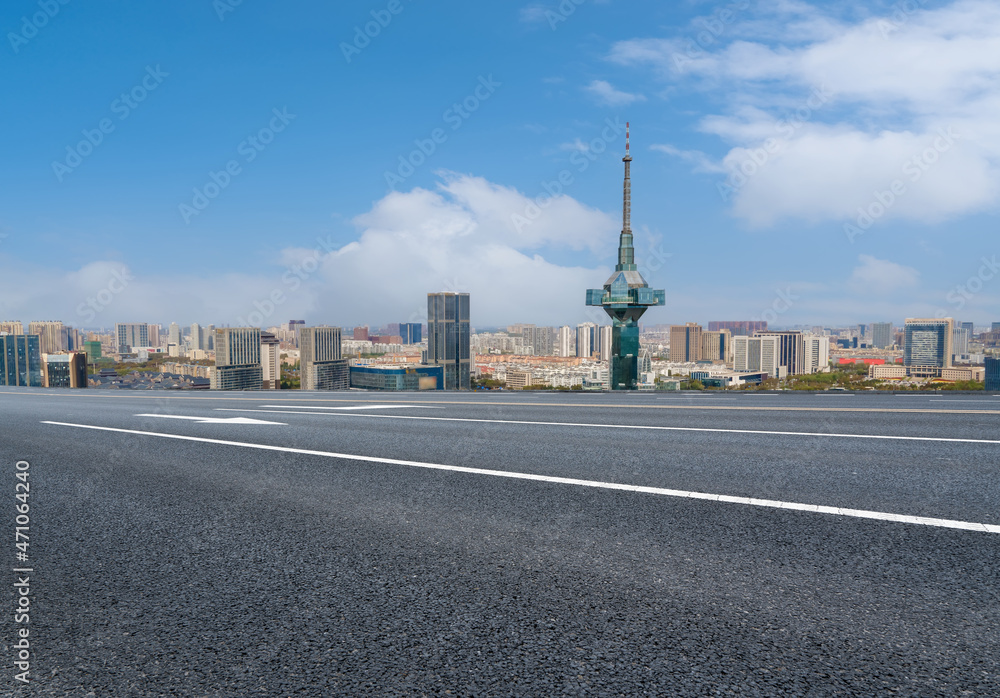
x: 460, y: 237
x: 820, y: 120
x: 701, y: 161
x: 608, y: 95
x: 880, y: 276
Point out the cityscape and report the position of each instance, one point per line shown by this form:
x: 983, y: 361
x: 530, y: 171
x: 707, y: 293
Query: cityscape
x: 547, y: 348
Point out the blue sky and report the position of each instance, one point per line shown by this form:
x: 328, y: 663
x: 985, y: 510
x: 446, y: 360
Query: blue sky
x: 759, y: 131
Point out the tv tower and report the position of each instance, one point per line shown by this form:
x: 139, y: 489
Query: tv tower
x: 626, y: 295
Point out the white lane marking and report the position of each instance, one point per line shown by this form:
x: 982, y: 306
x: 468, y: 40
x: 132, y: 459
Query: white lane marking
x: 729, y: 499
x: 630, y: 426
x: 935, y: 399
x: 212, y: 420
x: 357, y: 407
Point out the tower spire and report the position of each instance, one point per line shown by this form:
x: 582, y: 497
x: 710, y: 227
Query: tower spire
x: 626, y: 253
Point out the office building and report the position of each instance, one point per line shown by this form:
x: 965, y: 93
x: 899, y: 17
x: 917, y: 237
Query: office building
x: 51, y: 337
x: 994, y: 326
x: 410, y: 332
x: 361, y: 334
x: 758, y: 354
x: 11, y: 327
x: 790, y: 350
x: 93, y: 351
x: 716, y: 345
x: 237, y: 359
x: 321, y: 366
x: 625, y: 295
x: 738, y: 327
x: 174, y: 335
x: 584, y: 335
x: 959, y: 342
x: 992, y: 373
x: 927, y: 346
x: 197, y: 336
x: 881, y: 335
x: 448, y: 335
x: 20, y: 360
x: 399, y: 377
x: 564, y: 341
x: 67, y: 370
x: 685, y: 342
x: 129, y: 335
x: 970, y: 328
x: 270, y: 360
x: 815, y: 353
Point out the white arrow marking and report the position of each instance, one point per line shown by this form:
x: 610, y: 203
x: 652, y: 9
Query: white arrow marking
x: 213, y: 420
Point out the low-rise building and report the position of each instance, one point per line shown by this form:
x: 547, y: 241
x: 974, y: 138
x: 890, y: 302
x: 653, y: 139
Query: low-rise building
x: 387, y: 377
x: 518, y: 380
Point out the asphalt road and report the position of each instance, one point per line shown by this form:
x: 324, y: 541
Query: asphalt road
x: 504, y: 544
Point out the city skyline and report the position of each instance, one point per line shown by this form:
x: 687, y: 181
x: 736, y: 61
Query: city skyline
x: 318, y: 192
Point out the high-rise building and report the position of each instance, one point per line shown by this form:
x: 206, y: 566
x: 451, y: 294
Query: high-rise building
x: 154, y: 336
x: 994, y: 326
x: 131, y: 334
x: 174, y: 335
x: 584, y: 335
x: 237, y: 359
x: 959, y: 341
x: 361, y: 334
x: 606, y: 341
x: 881, y: 335
x: 20, y: 360
x: 544, y: 341
x: 67, y: 370
x: 11, y: 327
x: 270, y: 359
x: 50, y: 335
x: 790, y: 350
x: 564, y: 341
x: 320, y: 364
x: 93, y: 351
x: 816, y: 353
x: 626, y: 295
x: 757, y: 354
x: 992, y: 373
x: 197, y: 336
x: 927, y: 346
x: 410, y: 332
x: 716, y: 345
x: 448, y: 338
x: 738, y: 327
x: 685, y: 342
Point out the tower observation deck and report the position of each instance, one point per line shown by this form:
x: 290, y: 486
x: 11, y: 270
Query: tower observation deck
x: 626, y: 295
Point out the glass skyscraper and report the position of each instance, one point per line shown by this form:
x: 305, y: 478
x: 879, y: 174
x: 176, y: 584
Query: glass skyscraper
x: 20, y: 360
x: 927, y: 346
x: 448, y: 338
